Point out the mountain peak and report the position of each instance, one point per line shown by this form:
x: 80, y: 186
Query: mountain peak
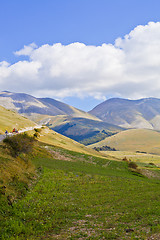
x: 141, y: 113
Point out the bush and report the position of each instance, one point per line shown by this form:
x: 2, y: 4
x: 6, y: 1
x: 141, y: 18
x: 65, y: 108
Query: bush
x: 125, y: 159
x: 20, y: 143
x: 36, y: 135
x: 132, y: 165
x: 37, y: 130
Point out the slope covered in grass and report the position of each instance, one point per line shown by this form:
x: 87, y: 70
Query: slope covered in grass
x: 63, y: 190
x: 53, y: 138
x: 143, y: 140
x: 16, y: 174
x: 80, y: 196
x: 10, y: 120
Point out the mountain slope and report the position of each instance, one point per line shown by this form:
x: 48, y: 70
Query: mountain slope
x: 66, y: 120
x: 10, y: 120
x: 53, y: 138
x: 33, y: 107
x: 143, y: 140
x: 142, y: 113
x: 83, y: 130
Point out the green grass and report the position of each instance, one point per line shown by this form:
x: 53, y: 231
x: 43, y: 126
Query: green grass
x: 80, y: 196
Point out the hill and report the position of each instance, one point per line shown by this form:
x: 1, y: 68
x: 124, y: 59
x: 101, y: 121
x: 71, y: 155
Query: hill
x: 48, y: 136
x: 54, y: 193
x: 10, y: 120
x: 86, y: 131
x: 65, y: 119
x: 142, y: 113
x: 141, y: 140
x: 64, y: 190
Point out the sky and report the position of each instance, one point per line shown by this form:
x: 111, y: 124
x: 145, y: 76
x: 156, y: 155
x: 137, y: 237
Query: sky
x: 81, y: 52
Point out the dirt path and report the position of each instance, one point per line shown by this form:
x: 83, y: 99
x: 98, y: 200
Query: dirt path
x: 2, y: 137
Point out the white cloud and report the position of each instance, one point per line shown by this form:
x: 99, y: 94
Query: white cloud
x: 129, y: 68
x: 27, y: 50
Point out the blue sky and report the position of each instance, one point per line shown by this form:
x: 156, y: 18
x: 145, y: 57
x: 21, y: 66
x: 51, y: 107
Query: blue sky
x: 92, y: 22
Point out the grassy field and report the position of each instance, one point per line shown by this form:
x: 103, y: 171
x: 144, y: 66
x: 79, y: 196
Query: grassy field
x: 133, y: 140
x: 135, y: 156
x: 77, y: 196
x: 10, y: 120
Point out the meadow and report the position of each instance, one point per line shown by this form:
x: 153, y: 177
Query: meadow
x: 73, y: 195
x: 142, y: 140
x: 139, y: 157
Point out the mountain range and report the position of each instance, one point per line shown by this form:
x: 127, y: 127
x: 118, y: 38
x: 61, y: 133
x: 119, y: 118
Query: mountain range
x: 106, y: 119
x: 67, y: 120
x: 35, y: 108
x: 142, y: 113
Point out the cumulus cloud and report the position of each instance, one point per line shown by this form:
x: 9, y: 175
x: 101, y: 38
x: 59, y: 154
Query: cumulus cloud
x: 27, y: 50
x: 128, y: 68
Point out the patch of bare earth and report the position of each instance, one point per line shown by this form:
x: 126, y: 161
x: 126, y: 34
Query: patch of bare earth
x: 59, y: 156
x: 150, y: 174
x: 155, y: 236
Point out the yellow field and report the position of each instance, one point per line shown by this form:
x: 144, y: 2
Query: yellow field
x: 10, y: 120
x: 143, y: 140
x: 135, y: 157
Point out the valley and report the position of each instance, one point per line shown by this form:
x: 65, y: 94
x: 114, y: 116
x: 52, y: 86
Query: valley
x: 58, y: 188
x: 80, y: 120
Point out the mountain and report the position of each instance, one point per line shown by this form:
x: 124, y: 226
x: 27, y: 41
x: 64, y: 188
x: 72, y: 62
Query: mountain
x: 140, y: 140
x: 38, y: 108
x: 67, y: 120
x: 84, y: 130
x: 10, y: 120
x: 142, y: 113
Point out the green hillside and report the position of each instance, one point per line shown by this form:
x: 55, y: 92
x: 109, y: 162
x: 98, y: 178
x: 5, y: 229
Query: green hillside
x: 75, y: 196
x: 60, y: 189
x: 142, y: 140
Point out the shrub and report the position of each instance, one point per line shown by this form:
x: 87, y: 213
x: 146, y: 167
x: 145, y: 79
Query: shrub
x: 20, y: 143
x: 152, y: 164
x: 36, y: 135
x: 125, y: 159
x: 132, y: 165
x: 37, y: 130
x: 104, y: 148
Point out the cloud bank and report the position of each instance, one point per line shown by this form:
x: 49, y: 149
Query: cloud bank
x: 128, y: 68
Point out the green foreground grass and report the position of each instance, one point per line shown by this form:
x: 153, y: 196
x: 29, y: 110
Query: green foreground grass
x: 80, y: 196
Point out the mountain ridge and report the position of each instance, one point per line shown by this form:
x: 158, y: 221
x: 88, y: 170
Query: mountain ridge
x: 27, y: 105
x: 140, y: 113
